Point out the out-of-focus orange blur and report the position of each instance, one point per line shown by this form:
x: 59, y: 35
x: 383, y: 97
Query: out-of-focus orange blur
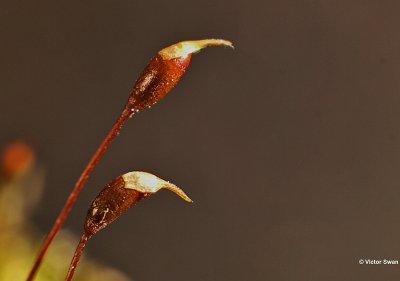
x: 16, y: 158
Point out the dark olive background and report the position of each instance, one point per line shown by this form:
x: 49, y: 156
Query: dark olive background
x: 289, y: 145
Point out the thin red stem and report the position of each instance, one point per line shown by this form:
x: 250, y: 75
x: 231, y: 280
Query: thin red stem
x: 77, y: 256
x: 77, y: 188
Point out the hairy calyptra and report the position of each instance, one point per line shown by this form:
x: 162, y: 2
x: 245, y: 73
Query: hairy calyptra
x: 159, y: 77
x: 116, y: 198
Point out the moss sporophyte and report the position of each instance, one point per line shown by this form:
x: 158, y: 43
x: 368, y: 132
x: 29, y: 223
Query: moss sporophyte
x: 159, y: 77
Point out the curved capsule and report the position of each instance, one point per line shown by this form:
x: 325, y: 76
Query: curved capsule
x: 164, y: 71
x: 122, y: 193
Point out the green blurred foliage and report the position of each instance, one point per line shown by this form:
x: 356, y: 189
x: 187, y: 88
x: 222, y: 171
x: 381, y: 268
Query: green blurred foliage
x: 20, y: 239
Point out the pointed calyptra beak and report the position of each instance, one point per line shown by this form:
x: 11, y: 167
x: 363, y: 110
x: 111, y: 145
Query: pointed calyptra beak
x: 150, y: 184
x: 185, y: 48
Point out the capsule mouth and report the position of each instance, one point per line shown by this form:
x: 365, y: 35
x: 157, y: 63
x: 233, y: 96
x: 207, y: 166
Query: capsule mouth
x: 184, y: 48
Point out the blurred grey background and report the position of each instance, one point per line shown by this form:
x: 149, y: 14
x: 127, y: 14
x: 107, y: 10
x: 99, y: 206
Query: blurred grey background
x: 289, y: 145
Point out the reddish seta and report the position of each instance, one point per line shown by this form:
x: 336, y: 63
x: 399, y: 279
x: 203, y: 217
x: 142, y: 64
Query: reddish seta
x: 159, y: 77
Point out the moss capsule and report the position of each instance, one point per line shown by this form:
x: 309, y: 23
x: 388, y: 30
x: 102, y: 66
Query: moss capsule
x: 121, y: 194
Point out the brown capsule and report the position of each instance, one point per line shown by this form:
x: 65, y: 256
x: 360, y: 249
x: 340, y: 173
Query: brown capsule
x: 122, y: 193
x: 164, y: 71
